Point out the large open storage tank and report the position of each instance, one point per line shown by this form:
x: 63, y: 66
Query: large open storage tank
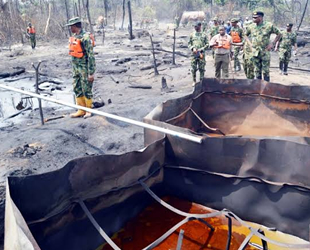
x: 257, y: 172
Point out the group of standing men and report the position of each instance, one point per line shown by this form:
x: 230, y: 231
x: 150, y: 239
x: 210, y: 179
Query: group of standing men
x: 253, y: 39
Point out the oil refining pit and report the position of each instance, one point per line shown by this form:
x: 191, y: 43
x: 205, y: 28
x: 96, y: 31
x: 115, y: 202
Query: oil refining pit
x: 245, y: 179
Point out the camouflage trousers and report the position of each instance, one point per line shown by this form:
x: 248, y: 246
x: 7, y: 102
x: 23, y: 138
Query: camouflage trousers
x: 198, y: 64
x: 262, y: 65
x: 248, y: 68
x: 236, y: 54
x: 81, y: 85
x: 285, y: 55
x: 32, y: 40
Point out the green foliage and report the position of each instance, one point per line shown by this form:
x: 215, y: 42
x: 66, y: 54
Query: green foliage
x: 221, y: 2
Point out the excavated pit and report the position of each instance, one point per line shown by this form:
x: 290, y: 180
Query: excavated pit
x: 259, y: 170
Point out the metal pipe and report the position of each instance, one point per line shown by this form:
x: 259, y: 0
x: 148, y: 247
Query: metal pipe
x: 180, y: 240
x: 104, y: 114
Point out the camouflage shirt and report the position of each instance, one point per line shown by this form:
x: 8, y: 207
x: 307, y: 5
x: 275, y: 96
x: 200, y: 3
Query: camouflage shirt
x: 288, y: 40
x: 214, y: 31
x: 260, y: 35
x: 88, y: 60
x: 198, y: 40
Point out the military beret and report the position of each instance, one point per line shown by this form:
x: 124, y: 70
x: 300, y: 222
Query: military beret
x: 289, y: 25
x: 73, y: 21
x: 258, y: 13
x: 197, y: 24
x: 234, y: 20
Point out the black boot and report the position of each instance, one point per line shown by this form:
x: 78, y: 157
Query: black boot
x: 259, y: 77
x: 267, y: 78
x: 285, y: 69
x: 281, y: 67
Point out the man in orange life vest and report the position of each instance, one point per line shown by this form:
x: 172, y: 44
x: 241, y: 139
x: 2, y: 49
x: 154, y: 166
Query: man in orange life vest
x: 83, y: 63
x: 222, y: 44
x: 236, y: 34
x: 31, y: 34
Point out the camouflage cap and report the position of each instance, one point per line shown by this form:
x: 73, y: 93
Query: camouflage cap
x: 73, y: 21
x: 289, y: 25
x: 234, y: 20
x: 258, y: 13
x: 215, y: 19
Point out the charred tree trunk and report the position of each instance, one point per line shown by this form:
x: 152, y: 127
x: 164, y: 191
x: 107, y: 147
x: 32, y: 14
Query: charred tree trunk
x: 106, y: 8
x: 124, y: 13
x: 37, y: 90
x: 76, y: 12
x: 80, y: 11
x: 130, y: 21
x: 154, y: 58
x: 114, y: 21
x: 49, y: 18
x: 211, y: 8
x: 68, y: 16
x: 88, y: 17
x: 303, y: 15
x: 174, y: 38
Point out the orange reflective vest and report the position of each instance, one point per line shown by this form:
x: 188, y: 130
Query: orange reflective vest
x: 31, y: 30
x: 75, y: 47
x: 235, y: 37
x: 223, y: 44
x: 92, y: 38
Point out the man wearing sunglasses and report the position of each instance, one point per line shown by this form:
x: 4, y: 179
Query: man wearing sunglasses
x: 260, y: 32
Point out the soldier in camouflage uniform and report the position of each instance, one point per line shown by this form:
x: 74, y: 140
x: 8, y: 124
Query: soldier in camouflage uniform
x: 198, y: 43
x: 247, y: 60
x: 260, y: 32
x: 286, y: 42
x: 31, y: 34
x: 214, y: 30
x: 83, y: 63
x: 237, y: 36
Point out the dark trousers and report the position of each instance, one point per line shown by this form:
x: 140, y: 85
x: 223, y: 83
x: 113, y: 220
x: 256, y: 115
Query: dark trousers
x: 221, y: 64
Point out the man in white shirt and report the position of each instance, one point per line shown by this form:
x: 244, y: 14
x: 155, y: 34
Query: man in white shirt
x: 222, y: 43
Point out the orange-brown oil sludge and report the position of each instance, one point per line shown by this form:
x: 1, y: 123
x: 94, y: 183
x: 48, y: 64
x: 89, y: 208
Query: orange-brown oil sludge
x: 155, y: 220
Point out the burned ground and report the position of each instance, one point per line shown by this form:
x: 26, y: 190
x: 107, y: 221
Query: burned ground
x: 122, y: 66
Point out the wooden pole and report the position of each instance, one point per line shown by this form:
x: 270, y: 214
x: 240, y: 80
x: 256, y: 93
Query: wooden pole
x: 174, y: 38
x: 36, y: 68
x: 130, y: 21
x: 154, y: 58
